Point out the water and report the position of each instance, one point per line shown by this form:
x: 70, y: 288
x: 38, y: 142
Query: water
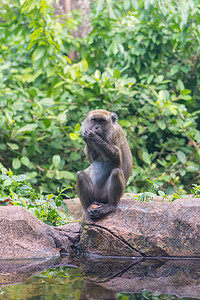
x: 100, y: 279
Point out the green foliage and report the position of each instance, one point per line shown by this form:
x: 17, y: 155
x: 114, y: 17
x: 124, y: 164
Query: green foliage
x: 196, y: 190
x: 153, y: 50
x: 154, y: 192
x: 146, y: 37
x: 141, y: 60
x: 15, y: 190
x: 38, y: 116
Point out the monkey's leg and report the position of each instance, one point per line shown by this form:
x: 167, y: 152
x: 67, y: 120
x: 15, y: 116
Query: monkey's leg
x: 115, y: 186
x: 85, y: 189
x: 114, y: 189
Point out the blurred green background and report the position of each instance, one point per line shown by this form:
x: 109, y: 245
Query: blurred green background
x: 141, y: 59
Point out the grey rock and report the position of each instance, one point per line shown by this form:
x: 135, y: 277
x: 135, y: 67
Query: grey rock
x: 140, y: 228
x: 22, y: 235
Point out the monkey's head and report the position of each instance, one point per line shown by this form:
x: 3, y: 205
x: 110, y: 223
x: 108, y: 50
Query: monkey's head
x: 100, y: 121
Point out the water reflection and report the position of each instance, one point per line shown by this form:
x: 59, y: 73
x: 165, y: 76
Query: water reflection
x: 175, y: 277
x: 100, y: 279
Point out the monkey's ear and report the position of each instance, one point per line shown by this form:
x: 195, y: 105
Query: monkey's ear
x: 114, y: 117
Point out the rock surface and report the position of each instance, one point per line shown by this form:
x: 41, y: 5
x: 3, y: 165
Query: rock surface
x: 137, y: 229
x: 22, y: 235
x: 75, y: 209
x: 164, y: 229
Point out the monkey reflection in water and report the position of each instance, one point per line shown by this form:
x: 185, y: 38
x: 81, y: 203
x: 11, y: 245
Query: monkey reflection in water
x: 101, y: 185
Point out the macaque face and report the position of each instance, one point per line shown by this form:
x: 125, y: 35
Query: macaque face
x: 99, y: 125
x: 100, y: 122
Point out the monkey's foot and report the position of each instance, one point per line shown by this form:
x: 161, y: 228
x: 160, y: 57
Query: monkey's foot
x: 98, y: 211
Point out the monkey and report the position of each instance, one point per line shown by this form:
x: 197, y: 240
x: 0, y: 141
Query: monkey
x: 102, y: 184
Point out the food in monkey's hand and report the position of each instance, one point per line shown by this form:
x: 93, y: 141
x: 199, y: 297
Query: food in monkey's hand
x: 93, y: 206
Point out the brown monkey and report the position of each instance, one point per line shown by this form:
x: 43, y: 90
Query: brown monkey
x: 101, y: 185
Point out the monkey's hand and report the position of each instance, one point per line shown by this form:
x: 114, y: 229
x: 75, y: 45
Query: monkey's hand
x: 97, y: 211
x: 90, y: 136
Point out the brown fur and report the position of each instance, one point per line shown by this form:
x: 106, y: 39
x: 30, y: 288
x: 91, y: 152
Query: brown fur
x: 108, y: 151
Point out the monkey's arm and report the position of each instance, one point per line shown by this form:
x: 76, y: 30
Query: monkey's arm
x: 90, y: 152
x: 110, y: 151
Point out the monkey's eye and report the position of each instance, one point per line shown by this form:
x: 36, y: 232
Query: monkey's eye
x: 94, y: 120
x: 102, y: 120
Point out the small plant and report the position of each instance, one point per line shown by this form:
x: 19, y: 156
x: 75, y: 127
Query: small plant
x: 146, y: 196
x: 14, y: 190
x: 153, y: 192
x: 196, y: 190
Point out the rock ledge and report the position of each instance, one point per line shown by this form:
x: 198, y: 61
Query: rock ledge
x: 137, y: 229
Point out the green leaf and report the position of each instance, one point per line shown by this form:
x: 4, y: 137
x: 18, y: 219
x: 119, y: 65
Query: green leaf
x: 73, y: 73
x: 124, y: 123
x: 59, y: 84
x: 174, y: 70
x: 50, y: 196
x: 77, y: 127
x: 56, y: 161
x: 25, y: 161
x: 46, y: 122
x: 83, y: 65
x: 64, y: 207
x: 38, y: 53
x: 173, y: 109
x: 47, y: 101
x: 116, y: 74
x: 182, y: 172
x: 7, y: 182
x: 192, y: 168
x: 16, y: 163
x: 37, y: 212
x: 161, y: 193
x: 31, y: 175
x: 186, y: 97
x: 97, y: 74
x: 163, y: 95
x: 21, y: 178
x: 146, y: 157
x: 61, y: 117
x: 161, y: 124
x: 28, y: 127
x: 181, y: 156
x: 65, y: 175
x: 75, y: 156
x: 180, y: 85
x: 13, y: 146
x: 73, y: 136
x: 185, y: 92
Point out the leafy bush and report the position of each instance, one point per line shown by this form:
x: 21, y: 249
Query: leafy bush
x: 141, y: 60
x: 38, y: 114
x: 147, y: 37
x: 154, y: 47
x: 15, y: 190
